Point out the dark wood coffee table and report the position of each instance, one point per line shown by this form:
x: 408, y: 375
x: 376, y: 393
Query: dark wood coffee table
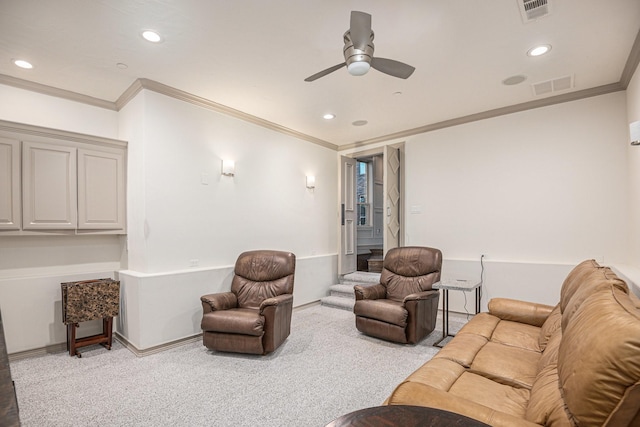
x: 405, y: 416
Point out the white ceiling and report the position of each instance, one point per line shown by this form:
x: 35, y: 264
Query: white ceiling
x: 253, y: 55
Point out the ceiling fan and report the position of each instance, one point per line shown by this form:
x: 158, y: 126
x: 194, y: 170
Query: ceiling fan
x: 358, y: 52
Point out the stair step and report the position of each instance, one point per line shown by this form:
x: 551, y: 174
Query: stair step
x: 338, y: 302
x: 342, y: 291
x: 361, y: 277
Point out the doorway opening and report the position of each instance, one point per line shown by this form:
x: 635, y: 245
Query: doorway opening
x: 371, y: 193
x: 370, y: 210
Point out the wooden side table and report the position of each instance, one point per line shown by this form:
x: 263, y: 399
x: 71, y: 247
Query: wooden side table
x: 455, y: 285
x: 404, y: 416
x: 90, y: 300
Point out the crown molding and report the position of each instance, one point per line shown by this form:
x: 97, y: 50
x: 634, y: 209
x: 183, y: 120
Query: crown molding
x: 54, y: 91
x: 633, y: 60
x: 632, y: 63
x: 220, y: 108
x: 530, y: 105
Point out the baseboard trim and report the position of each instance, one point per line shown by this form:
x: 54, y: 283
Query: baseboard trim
x: 42, y: 351
x: 157, y: 348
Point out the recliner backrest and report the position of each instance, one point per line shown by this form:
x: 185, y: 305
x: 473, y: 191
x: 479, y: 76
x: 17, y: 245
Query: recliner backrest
x: 410, y: 269
x: 262, y: 274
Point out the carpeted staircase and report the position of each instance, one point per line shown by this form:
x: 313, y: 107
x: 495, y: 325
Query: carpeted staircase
x: 342, y: 296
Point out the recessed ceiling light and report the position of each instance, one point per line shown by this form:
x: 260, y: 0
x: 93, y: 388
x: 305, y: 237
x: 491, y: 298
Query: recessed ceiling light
x: 398, y: 93
x: 23, y: 64
x: 122, y: 65
x: 329, y: 116
x: 539, y: 50
x: 151, y: 36
x: 360, y: 123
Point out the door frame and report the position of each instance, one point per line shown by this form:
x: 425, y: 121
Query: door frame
x: 401, y: 215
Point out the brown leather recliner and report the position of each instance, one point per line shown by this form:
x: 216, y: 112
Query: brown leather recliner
x: 403, y: 306
x: 255, y: 317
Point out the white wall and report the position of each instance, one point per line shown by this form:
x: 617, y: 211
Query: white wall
x: 172, y: 218
x: 23, y: 106
x: 176, y: 221
x: 536, y: 192
x: 32, y: 267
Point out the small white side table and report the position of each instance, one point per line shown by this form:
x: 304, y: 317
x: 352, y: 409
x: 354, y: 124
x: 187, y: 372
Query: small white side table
x: 455, y: 285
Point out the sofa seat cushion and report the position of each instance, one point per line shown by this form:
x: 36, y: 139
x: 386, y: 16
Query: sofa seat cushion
x: 517, y: 334
x: 462, y: 349
x: 499, y: 397
x: 512, y: 366
x: 386, y: 310
x: 482, y: 324
x: 438, y: 373
x: 234, y: 321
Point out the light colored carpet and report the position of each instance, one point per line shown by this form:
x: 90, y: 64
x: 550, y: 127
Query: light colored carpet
x: 324, y: 369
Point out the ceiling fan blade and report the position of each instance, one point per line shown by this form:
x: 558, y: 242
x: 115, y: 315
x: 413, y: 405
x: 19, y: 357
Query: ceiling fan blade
x: 325, y: 72
x: 393, y: 68
x: 360, y: 29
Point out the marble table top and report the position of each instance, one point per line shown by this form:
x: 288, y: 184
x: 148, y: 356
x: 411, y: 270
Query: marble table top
x: 457, y: 284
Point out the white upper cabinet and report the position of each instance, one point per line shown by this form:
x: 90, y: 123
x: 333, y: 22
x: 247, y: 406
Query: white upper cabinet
x: 49, y: 186
x: 58, y: 182
x: 10, y: 206
x: 101, y: 190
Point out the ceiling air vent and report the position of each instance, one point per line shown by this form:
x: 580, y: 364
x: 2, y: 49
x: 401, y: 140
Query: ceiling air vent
x: 552, y: 86
x: 533, y: 9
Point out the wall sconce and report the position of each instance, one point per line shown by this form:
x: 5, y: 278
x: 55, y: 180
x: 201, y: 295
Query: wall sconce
x: 634, y: 132
x: 311, y: 181
x: 228, y: 167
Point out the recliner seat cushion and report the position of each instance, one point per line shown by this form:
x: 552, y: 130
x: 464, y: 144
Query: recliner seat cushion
x: 383, y: 309
x: 234, y: 321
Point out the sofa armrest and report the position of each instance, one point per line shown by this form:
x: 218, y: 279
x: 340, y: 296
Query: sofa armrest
x: 220, y: 301
x: 275, y: 301
x: 530, y: 313
x: 421, y: 295
x: 414, y: 393
x: 370, y: 292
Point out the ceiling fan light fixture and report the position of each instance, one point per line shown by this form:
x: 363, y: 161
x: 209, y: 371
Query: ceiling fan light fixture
x: 358, y: 68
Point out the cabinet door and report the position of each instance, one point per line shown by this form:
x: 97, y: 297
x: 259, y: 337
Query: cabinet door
x: 10, y: 208
x: 101, y: 190
x: 49, y: 186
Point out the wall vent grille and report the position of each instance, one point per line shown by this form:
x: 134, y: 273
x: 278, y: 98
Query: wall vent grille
x: 533, y: 9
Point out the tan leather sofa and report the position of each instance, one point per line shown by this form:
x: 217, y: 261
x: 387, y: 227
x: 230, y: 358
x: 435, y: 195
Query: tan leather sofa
x: 527, y: 364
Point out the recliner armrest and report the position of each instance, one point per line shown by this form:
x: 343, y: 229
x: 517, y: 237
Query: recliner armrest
x: 219, y: 301
x: 277, y: 300
x: 370, y: 292
x: 421, y: 295
x: 530, y: 313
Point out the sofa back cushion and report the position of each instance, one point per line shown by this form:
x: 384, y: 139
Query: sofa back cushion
x: 549, y: 327
x: 262, y: 274
x: 575, y: 278
x: 410, y: 269
x: 599, y: 360
x: 595, y: 279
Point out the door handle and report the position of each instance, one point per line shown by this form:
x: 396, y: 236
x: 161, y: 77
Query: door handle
x: 342, y: 214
